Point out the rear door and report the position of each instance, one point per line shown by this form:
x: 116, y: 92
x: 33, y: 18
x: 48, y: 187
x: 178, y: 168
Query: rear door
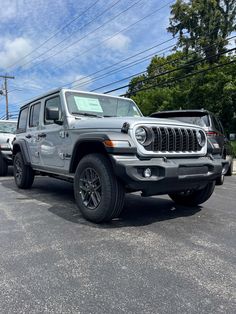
x: 33, y: 131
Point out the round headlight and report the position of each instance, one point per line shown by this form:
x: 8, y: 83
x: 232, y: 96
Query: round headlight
x: 141, y: 135
x: 201, y: 139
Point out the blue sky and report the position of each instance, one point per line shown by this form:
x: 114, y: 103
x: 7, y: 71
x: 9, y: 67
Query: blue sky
x: 25, y: 25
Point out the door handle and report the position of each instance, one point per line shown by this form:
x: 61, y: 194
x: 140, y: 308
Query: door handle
x: 42, y: 135
x: 28, y: 136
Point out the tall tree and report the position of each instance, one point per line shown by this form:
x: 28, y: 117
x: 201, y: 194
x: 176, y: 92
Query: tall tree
x: 203, y: 24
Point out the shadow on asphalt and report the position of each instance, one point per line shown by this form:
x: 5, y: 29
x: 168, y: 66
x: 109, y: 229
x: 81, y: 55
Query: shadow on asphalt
x: 138, y: 211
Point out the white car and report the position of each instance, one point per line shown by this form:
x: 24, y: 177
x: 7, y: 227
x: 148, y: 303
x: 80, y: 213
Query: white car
x: 7, y: 134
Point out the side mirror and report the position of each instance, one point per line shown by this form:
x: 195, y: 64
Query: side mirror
x: 53, y: 114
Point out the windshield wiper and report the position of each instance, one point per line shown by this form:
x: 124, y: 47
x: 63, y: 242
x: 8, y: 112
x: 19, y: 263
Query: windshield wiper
x: 87, y: 114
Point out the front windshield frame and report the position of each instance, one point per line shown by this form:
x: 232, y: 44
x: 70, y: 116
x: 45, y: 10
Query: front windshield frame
x: 101, y: 101
x: 8, y: 127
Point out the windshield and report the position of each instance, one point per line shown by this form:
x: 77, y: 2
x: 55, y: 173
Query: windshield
x: 8, y: 127
x: 201, y: 121
x: 98, y: 105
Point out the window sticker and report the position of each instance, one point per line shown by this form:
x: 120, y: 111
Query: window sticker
x: 88, y: 104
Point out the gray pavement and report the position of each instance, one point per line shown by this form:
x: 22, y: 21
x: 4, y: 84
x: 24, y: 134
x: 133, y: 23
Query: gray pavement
x: 157, y: 258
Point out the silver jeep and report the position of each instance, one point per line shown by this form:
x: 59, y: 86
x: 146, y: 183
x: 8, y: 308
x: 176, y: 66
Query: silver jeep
x: 105, y: 146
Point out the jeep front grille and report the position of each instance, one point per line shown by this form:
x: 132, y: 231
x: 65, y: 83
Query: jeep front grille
x: 168, y: 139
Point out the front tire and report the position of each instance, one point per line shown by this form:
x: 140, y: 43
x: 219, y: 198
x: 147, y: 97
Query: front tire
x: 98, y: 194
x: 3, y: 166
x: 193, y: 198
x: 23, y: 174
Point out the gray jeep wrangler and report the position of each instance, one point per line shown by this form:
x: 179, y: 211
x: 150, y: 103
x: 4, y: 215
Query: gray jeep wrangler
x: 106, y: 147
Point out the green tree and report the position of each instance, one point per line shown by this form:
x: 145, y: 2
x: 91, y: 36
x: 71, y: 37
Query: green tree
x: 203, y: 24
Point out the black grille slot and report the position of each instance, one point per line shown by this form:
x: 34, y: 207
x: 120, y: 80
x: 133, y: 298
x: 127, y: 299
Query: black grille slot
x: 168, y: 139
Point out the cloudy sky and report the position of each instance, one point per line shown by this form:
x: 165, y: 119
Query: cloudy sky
x: 46, y: 44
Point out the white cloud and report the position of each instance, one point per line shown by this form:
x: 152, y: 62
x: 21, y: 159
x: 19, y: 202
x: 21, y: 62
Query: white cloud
x: 13, y: 50
x: 119, y: 42
x: 82, y: 82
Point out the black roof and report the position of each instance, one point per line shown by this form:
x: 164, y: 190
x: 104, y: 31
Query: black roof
x: 180, y: 113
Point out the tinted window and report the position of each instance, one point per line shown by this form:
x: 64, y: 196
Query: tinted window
x: 34, y: 115
x: 22, y: 123
x: 201, y: 121
x: 53, y: 102
x: 215, y: 123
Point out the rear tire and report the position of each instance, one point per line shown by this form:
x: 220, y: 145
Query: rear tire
x: 220, y: 180
x: 98, y: 194
x: 3, y: 166
x: 193, y: 198
x: 24, y: 174
x: 230, y: 170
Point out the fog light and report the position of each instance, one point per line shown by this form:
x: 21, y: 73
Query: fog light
x: 147, y: 173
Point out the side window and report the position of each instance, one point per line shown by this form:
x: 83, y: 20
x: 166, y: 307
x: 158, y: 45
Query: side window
x: 216, y: 124
x: 53, y: 102
x: 34, y: 115
x: 22, y: 122
x: 221, y: 127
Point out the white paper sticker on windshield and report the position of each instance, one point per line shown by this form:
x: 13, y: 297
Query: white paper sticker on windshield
x: 88, y: 104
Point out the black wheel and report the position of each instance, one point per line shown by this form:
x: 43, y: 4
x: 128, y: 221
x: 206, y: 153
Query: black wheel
x: 98, y: 194
x: 24, y: 175
x: 195, y: 197
x: 3, y: 166
x: 220, y: 180
x: 230, y: 170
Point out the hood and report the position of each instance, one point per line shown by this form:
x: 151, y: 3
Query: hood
x: 117, y: 122
x: 5, y: 136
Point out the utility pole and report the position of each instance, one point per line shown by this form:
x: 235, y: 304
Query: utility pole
x: 5, y: 77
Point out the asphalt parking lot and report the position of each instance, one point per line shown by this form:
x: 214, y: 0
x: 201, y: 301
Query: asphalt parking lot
x: 157, y: 258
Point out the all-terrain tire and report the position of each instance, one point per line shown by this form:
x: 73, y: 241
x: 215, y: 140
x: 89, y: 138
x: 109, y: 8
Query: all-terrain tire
x: 193, y: 198
x: 98, y: 193
x: 230, y: 170
x: 23, y: 174
x: 220, y: 180
x: 3, y: 166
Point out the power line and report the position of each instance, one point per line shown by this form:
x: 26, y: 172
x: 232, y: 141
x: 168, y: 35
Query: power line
x: 170, y: 71
x: 121, y: 61
x: 85, y: 36
x: 117, y: 33
x: 53, y: 35
x: 106, y: 39
x: 180, y: 77
x: 166, y: 63
x: 124, y: 67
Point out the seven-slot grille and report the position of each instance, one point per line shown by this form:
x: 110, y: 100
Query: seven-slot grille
x: 169, y: 139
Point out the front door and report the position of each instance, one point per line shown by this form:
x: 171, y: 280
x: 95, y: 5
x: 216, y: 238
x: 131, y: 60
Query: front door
x: 52, y: 138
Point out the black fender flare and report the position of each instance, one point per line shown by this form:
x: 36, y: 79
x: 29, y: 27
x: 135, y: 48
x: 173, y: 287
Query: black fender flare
x: 21, y: 145
x: 100, y: 138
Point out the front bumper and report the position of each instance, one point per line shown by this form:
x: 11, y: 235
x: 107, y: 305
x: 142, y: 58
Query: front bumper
x: 168, y: 175
x: 7, y: 155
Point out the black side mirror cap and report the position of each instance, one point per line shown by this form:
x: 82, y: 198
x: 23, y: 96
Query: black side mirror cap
x: 53, y: 114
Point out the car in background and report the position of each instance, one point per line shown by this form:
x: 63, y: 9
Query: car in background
x: 218, y: 142
x: 7, y: 135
